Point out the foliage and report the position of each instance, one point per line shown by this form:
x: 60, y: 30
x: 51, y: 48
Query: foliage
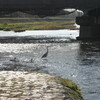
x: 71, y: 88
x: 42, y: 25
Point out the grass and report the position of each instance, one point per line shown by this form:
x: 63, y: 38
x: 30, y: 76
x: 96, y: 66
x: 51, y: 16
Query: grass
x: 37, y: 25
x: 72, y: 89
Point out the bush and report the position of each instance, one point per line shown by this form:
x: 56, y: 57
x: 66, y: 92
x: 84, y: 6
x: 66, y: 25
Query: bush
x: 6, y: 29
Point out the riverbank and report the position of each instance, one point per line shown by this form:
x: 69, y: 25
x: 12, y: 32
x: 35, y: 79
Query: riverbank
x: 37, y: 86
x: 36, y: 25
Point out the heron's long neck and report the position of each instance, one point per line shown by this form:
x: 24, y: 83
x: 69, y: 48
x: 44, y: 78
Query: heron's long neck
x: 47, y: 49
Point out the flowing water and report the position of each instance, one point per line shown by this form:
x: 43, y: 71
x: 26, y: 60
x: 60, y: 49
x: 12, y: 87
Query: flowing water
x: 76, y: 60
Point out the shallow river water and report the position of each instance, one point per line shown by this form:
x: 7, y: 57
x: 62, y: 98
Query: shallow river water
x: 76, y: 60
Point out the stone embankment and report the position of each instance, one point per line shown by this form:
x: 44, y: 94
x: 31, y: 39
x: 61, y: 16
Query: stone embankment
x: 36, y: 86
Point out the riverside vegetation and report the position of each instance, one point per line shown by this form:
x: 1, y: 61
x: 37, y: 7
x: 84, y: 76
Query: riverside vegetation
x: 20, y: 21
x: 37, y: 25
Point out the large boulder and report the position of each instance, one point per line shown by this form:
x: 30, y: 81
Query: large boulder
x: 36, y: 86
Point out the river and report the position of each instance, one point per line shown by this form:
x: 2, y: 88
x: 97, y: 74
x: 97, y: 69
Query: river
x: 76, y: 60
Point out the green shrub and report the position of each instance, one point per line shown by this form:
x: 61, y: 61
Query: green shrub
x: 6, y: 29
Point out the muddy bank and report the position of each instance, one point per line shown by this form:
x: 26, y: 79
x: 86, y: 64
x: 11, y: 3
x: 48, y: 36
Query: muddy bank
x: 36, y: 86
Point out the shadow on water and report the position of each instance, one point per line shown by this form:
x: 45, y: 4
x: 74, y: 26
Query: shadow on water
x: 89, y: 69
x: 90, y: 46
x: 89, y: 53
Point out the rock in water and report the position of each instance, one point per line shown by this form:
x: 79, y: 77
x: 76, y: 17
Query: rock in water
x: 36, y: 86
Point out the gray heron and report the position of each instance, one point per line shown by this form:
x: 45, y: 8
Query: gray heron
x: 45, y: 54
